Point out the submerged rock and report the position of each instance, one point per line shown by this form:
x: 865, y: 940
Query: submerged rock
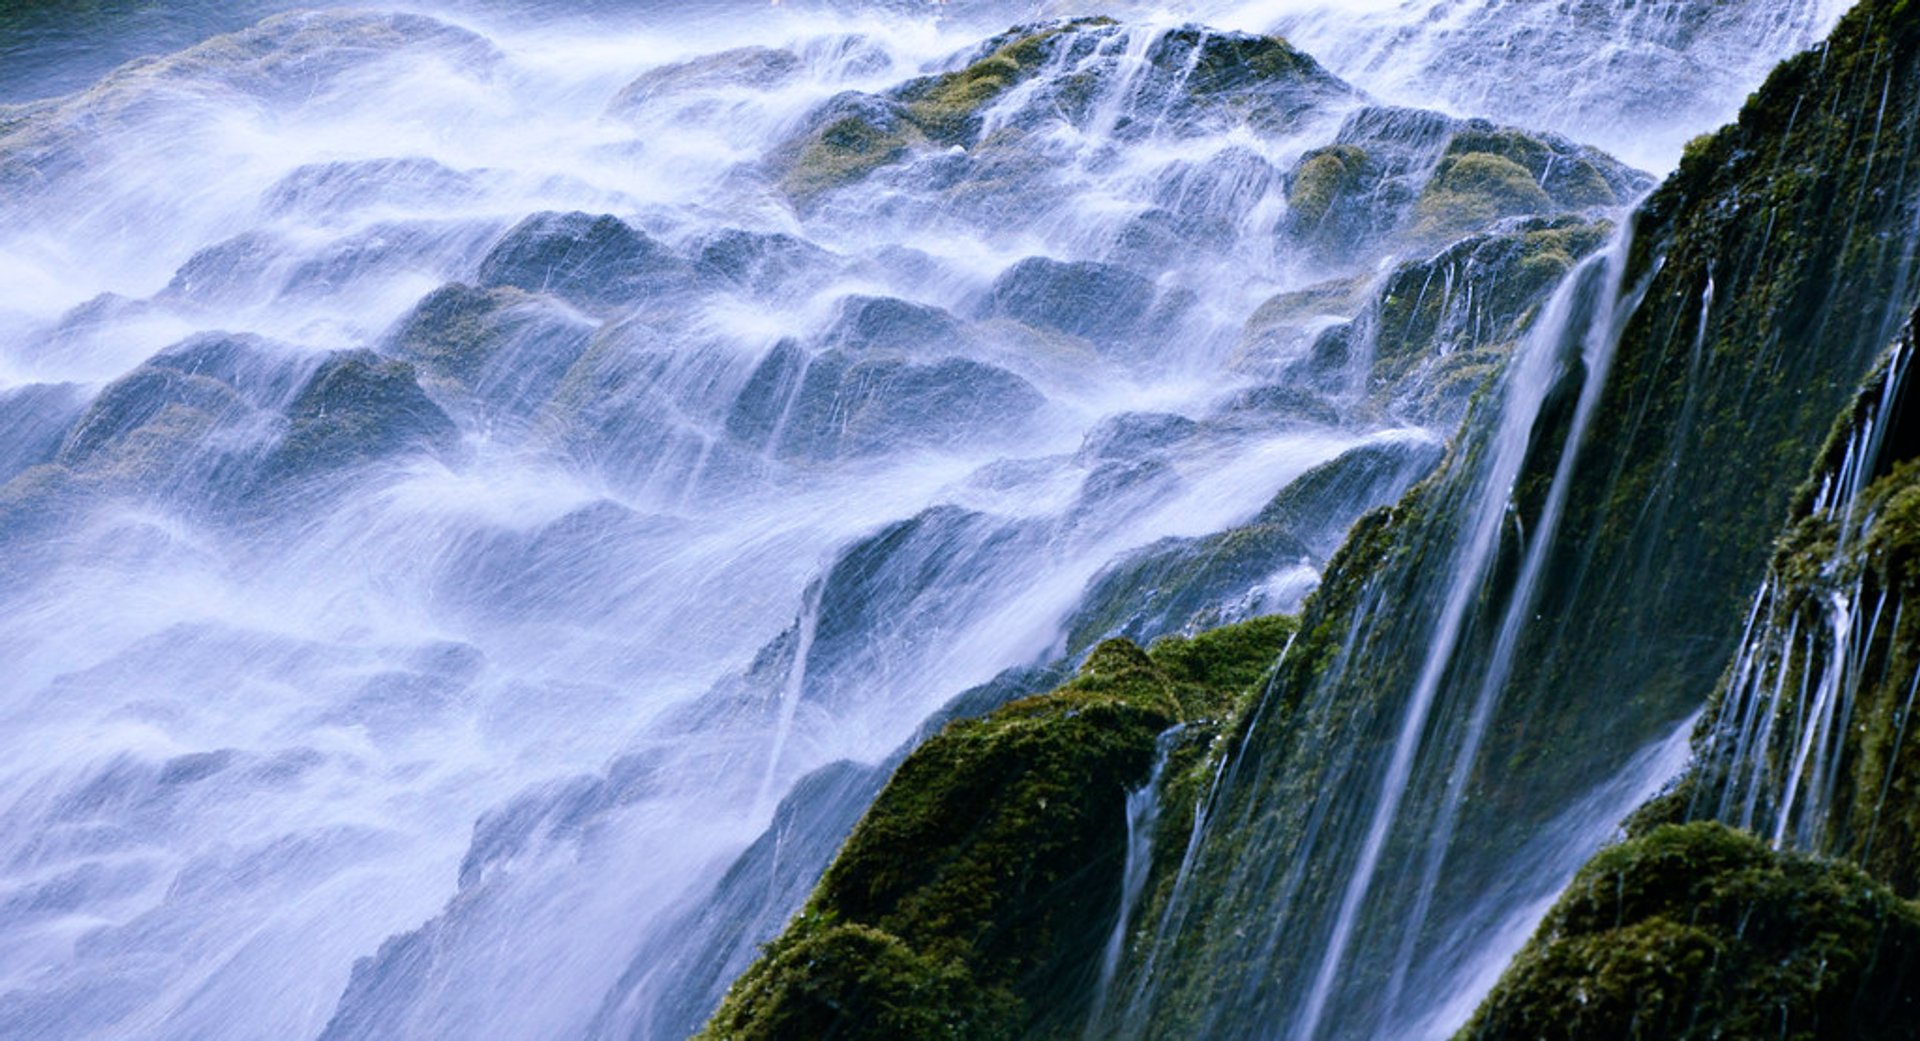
x: 286, y: 59
x: 34, y: 420
x: 850, y: 401
x: 333, y: 190
x: 745, y: 68
x: 501, y: 345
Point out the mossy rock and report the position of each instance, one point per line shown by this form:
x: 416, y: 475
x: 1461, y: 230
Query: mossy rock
x: 1698, y: 931
x: 1570, y: 175
x: 357, y: 407
x: 1475, y: 189
x: 973, y: 898
x: 138, y: 400
x: 1326, y: 178
x: 854, y: 134
x: 947, y: 108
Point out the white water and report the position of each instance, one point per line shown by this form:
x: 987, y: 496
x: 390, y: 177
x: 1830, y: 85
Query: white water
x: 243, y: 748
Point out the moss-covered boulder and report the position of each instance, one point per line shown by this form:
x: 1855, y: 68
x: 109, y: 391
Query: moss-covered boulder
x: 1490, y: 173
x: 357, y: 407
x: 1475, y: 189
x: 1698, y: 931
x: 1421, y: 179
x: 1326, y: 177
x: 854, y: 134
x: 850, y: 137
x: 973, y: 898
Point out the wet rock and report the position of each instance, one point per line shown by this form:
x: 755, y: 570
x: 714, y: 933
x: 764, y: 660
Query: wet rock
x: 338, y: 189
x: 849, y: 137
x: 596, y: 262
x: 1107, y: 305
x: 759, y: 261
x: 893, y: 588
x: 501, y: 345
x: 384, y: 253
x: 234, y: 270
x: 34, y: 420
x: 357, y: 407
x: 1133, y: 434
x: 141, y: 403
x: 1184, y: 584
x: 867, y: 323
x: 848, y: 406
x: 748, y: 68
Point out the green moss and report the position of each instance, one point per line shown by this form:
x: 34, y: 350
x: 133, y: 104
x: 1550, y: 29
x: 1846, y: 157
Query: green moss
x: 1470, y: 191
x: 1445, y: 323
x: 1325, y: 177
x: 1698, y: 931
x: 843, y: 152
x: 941, y: 110
x: 973, y: 897
x: 825, y: 979
x: 1230, y: 61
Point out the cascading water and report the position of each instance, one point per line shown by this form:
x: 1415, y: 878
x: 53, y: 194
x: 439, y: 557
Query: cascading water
x: 1589, y: 319
x: 1785, y: 717
x: 1143, y: 814
x: 421, y: 587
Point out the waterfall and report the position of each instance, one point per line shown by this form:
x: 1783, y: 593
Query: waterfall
x: 487, y: 492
